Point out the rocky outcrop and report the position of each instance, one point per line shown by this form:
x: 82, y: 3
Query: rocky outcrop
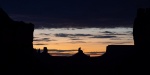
x: 16, y: 43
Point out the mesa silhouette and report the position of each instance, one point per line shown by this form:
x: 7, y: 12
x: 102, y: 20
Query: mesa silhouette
x: 20, y: 58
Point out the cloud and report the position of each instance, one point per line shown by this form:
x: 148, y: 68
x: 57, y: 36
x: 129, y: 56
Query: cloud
x: 107, y: 32
x: 103, y: 36
x: 56, y: 52
x: 115, y: 34
x: 130, y: 32
x: 37, y: 40
x: 94, y: 53
x: 115, y: 39
x: 44, y: 39
x: 45, y: 34
x: 61, y: 54
x: 62, y: 35
x: 82, y: 35
x: 112, y: 33
x: 35, y: 37
x: 59, y: 51
x: 76, y: 39
x: 40, y: 44
x: 113, y: 43
x: 71, y: 35
x: 76, y: 42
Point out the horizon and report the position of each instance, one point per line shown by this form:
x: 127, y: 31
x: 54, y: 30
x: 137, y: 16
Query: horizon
x: 92, y: 41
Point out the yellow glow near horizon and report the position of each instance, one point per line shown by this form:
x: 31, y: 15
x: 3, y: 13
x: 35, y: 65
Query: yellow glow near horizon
x: 90, y: 40
x: 85, y: 47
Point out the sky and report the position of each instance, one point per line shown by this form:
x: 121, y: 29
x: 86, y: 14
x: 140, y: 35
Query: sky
x: 76, y: 13
x: 65, y: 25
x: 93, y: 41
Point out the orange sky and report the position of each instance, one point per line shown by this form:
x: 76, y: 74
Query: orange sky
x: 89, y: 39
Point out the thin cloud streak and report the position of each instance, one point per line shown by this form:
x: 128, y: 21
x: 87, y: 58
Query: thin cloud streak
x: 102, y: 36
x: 76, y: 42
x: 113, y: 43
x: 40, y: 44
x: 70, y: 35
x: 44, y: 39
x: 76, y: 39
x: 45, y: 34
x: 112, y: 33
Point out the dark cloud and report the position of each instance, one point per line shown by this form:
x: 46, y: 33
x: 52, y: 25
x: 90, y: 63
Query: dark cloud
x: 71, y: 35
x: 44, y: 39
x: 82, y: 35
x: 103, y: 36
x: 112, y: 33
x: 130, y: 32
x: 35, y: 37
x: 40, y: 44
x: 76, y: 42
x: 76, y: 39
x: 114, y: 43
x: 56, y: 52
x: 107, y: 32
x: 94, y: 53
x: 116, y: 34
x: 37, y: 40
x: 60, y: 54
x: 117, y: 38
x: 59, y: 51
x: 46, y: 34
x: 62, y: 35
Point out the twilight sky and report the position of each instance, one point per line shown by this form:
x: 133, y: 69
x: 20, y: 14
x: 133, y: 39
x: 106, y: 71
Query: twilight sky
x: 93, y: 41
x: 107, y: 22
x: 76, y: 13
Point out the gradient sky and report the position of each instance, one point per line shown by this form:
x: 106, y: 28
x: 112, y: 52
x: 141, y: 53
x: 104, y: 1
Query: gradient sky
x: 93, y: 41
x: 93, y: 24
x: 77, y: 13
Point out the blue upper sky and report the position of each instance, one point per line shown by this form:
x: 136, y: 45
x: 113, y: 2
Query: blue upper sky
x: 62, y: 13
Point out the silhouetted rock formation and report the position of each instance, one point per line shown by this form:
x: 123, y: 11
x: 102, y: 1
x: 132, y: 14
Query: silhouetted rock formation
x: 80, y: 54
x: 45, y: 55
x: 141, y: 39
x: 141, y: 29
x: 45, y: 51
x: 4, y: 18
x: 119, y: 52
x: 39, y: 51
x: 17, y: 38
x: 131, y: 59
